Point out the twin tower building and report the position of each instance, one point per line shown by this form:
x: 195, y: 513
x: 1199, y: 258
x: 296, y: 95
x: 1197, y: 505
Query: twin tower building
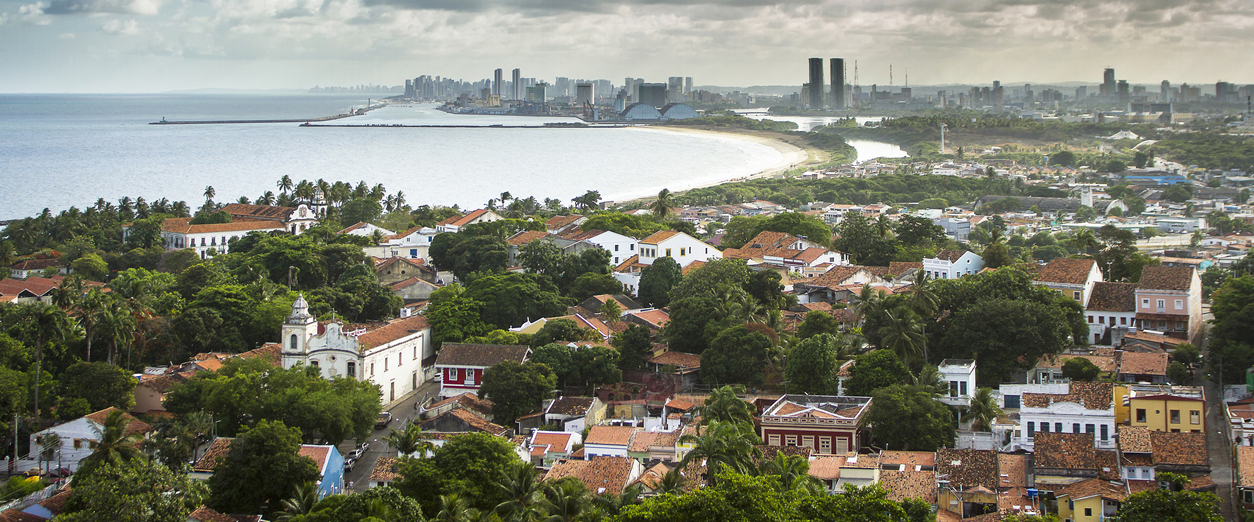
x: 816, y: 96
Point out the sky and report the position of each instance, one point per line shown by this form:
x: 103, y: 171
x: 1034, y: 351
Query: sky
x: 161, y: 45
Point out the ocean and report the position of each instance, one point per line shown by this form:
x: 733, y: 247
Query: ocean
x: 58, y: 151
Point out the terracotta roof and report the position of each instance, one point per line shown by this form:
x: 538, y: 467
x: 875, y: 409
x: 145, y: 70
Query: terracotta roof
x: 1092, y: 488
x: 184, y: 226
x: 610, y: 435
x: 902, y: 485
x: 393, y: 330
x: 1154, y: 338
x: 526, y: 236
x: 36, y: 264
x: 687, y: 360
x: 631, y: 262
x: 1104, y: 363
x: 1179, y: 278
x: 162, y: 383
x: 837, y: 276
x: 1013, y: 470
x: 1065, y: 270
x: 680, y: 404
x: 480, y: 355
x: 1113, y: 297
x: 658, y: 237
x: 950, y: 255
x: 910, y: 459
x: 385, y: 470
x: 134, y: 427
x: 259, y: 211
x: 899, y: 268
x: 474, y: 421
x: 571, y: 406
x: 1143, y: 363
x: 968, y: 468
x: 826, y: 467
x: 467, y: 400
x: 318, y: 454
x: 214, y: 455
x: 1065, y: 450
x: 1135, y: 439
x: 1092, y: 395
x: 580, y: 234
x: 641, y: 442
x: 271, y: 352
x: 1182, y: 449
x: 693, y: 266
x: 1245, y: 466
x: 56, y: 503
x: 204, y: 514
x: 557, y: 222
x: 652, y: 477
x: 600, y: 475
x: 553, y: 442
x: 461, y: 221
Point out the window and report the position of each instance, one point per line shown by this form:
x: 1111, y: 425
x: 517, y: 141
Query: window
x: 1076, y: 295
x: 807, y: 441
x: 790, y: 440
x: 962, y: 388
x: 616, y: 248
x: 385, y: 364
x: 825, y: 445
x: 1195, y: 417
x: 1044, y: 427
x: 415, y: 353
x: 1175, y: 416
x: 292, y: 343
x: 1140, y: 414
x: 352, y: 369
x: 1247, y: 496
x: 1145, y: 303
x: 398, y: 360
x: 1090, y: 429
x: 1123, y: 321
x: 953, y: 388
x: 314, y: 363
x: 1162, y: 304
x: 1088, y: 512
x: 668, y: 252
x: 1179, y: 304
x: 1057, y: 427
x: 1075, y: 428
x: 1031, y: 429
x: 773, y: 440
x: 1090, y: 319
x: 1105, y: 432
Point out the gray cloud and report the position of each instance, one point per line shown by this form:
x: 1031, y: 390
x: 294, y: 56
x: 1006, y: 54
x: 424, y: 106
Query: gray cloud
x: 63, y: 7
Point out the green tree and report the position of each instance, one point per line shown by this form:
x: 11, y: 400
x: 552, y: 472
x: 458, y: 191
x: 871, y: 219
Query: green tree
x: 813, y: 363
x: 931, y: 424
x: 510, y: 299
x: 875, y: 370
x: 863, y: 241
x: 523, y: 493
x: 1064, y: 158
x: 711, y: 279
x: 657, y: 280
x: 1172, y: 503
x: 724, y: 446
x: 516, y: 389
x: 690, y: 328
x: 764, y: 285
x: 467, y: 465
x: 409, y: 440
x: 49, y: 324
x: 263, y: 466
x: 663, y: 205
x: 625, y: 224
x: 736, y: 356
x: 115, y: 446
x: 634, y: 345
x: 360, y: 210
x: 541, y: 257
x: 560, y: 359
x: 792, y: 473
x: 724, y: 405
x: 903, y: 334
x: 454, y: 316
x: 134, y: 491
x: 91, y: 266
x: 816, y: 323
x: 983, y: 410
x: 598, y: 365
x: 101, y: 385
x: 1080, y: 369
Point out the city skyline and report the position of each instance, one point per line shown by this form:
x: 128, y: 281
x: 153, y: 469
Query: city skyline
x: 160, y: 45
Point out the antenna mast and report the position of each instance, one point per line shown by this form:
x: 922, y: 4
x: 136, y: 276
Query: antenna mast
x: 890, y: 75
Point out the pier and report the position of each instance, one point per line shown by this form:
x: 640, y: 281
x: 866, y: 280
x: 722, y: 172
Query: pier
x: 357, y: 112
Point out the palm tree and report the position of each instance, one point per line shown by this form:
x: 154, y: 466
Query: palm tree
x: 65, y: 294
x: 902, y: 334
x: 302, y: 503
x: 389, y: 203
x: 400, y: 199
x: 210, y: 193
x: 663, y: 205
x: 118, y: 323
x: 506, y: 196
x: 114, y: 445
x: 672, y: 483
x: 793, y: 474
x: 930, y: 380
x: 925, y: 302
x: 867, y: 300
x: 613, y: 504
x: 90, y: 309
x: 49, y: 323
x: 453, y: 508
x: 882, y: 226
x: 285, y: 184
x: 266, y: 199
x: 522, y: 491
x: 983, y: 410
x: 723, y: 405
x: 1083, y: 240
x: 724, y: 444
x: 409, y: 440
x: 565, y: 502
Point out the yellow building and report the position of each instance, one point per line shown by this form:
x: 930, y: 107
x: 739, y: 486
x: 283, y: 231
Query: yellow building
x: 1178, y: 409
x: 1090, y: 500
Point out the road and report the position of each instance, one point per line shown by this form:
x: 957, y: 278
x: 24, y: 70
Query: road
x: 401, y: 411
x: 1218, y: 436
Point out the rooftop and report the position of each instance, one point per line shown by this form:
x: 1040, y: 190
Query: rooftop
x: 1113, y: 297
x: 1177, y: 278
x: 966, y: 468
x: 1067, y: 271
x: 480, y: 355
x: 600, y: 475
x: 610, y: 435
x: 1091, y: 395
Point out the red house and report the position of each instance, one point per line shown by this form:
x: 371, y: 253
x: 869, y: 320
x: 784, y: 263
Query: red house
x: 827, y: 424
x: 461, y: 366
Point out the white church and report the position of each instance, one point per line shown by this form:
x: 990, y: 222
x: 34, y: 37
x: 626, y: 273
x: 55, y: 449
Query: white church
x: 397, y: 355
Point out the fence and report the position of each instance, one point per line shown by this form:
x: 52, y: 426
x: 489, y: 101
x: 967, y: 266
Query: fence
x: 33, y: 498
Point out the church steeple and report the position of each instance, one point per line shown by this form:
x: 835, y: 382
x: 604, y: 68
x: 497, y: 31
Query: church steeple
x: 298, y: 329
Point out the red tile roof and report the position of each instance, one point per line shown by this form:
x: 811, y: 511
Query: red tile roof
x: 527, y: 236
x: 184, y: 226
x: 601, y: 474
x: 681, y: 359
x: 1143, y: 363
x: 658, y: 237
x: 1113, y: 297
x: 480, y: 355
x: 393, y: 330
x: 610, y: 435
x: 1178, y: 278
x: 1065, y: 270
x: 133, y: 427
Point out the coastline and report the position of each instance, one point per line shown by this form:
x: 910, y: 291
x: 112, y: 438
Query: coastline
x: 793, y: 155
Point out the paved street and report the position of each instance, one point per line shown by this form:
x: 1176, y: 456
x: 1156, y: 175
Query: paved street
x: 402, y: 411
x: 1218, y: 437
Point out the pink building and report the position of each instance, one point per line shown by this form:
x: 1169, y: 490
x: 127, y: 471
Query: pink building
x: 1169, y: 299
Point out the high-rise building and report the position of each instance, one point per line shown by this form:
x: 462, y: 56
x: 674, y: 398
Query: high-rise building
x: 1123, y: 91
x: 1081, y: 93
x: 517, y: 94
x: 1108, y: 88
x: 585, y: 92
x: 537, y: 94
x: 409, y: 88
x: 651, y: 93
x: 816, y: 84
x: 688, y: 86
x: 1165, y: 91
x: 675, y: 89
x: 837, y: 73
x: 1225, y: 92
x: 498, y: 76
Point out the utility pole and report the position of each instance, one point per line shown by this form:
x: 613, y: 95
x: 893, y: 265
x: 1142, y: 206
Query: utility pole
x: 943, y: 138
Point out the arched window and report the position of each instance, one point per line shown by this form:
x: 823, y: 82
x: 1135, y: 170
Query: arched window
x: 352, y: 369
x: 292, y: 342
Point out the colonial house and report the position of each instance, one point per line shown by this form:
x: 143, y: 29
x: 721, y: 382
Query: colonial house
x: 455, y: 223
x: 412, y: 244
x: 619, y: 246
x: 1111, y: 309
x: 575, y: 414
x: 31, y: 290
x: 1066, y: 458
x: 1086, y: 408
x: 390, y: 355
x: 1073, y: 278
x: 1245, y: 476
x: 601, y: 475
x: 684, y: 249
x: 326, y: 458
x: 293, y: 219
x: 366, y: 230
x: 463, y: 420
x: 967, y: 481
x: 608, y: 441
x: 397, y: 269
x: 836, y: 282
x: 1148, y: 367
x: 1169, y: 299
x: 825, y: 424
x: 179, y: 233
x: 1090, y: 500
x: 77, y: 439
x: 959, y: 374
x: 547, y: 447
x: 786, y: 251
x: 30, y: 267
x: 561, y: 224
x: 952, y: 264
x: 1167, y: 408
x: 461, y: 365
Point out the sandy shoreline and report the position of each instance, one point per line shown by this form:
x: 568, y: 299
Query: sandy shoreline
x: 793, y: 155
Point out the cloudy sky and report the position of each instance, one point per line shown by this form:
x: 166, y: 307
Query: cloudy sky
x: 158, y: 45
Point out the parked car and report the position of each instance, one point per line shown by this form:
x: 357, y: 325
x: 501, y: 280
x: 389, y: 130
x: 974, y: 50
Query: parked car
x: 60, y: 473
x: 359, y: 451
x: 382, y: 421
x: 348, y: 464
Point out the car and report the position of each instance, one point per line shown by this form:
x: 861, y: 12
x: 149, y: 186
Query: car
x: 382, y: 420
x: 60, y: 473
x: 349, y: 463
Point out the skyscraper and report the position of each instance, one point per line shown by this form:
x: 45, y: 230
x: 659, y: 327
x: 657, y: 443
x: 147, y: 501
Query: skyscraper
x: 498, y: 76
x: 651, y: 93
x: 1108, y: 83
x: 1124, y: 92
x: 517, y: 84
x: 585, y: 92
x: 675, y: 89
x: 816, y: 83
x: 688, y: 85
x: 837, y: 73
x: 1165, y: 91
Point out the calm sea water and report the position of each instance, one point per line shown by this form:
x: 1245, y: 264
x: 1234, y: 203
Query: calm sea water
x: 58, y: 151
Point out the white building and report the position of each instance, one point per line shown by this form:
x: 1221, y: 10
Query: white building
x: 294, y: 219
x: 391, y: 356
x: 952, y: 264
x: 619, y: 246
x: 1086, y: 407
x: 455, y: 223
x: 366, y: 230
x: 78, y: 438
x: 681, y: 247
x: 179, y: 233
x: 959, y: 375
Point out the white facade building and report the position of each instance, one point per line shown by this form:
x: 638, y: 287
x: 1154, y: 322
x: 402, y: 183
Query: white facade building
x: 681, y: 247
x: 959, y: 375
x: 952, y: 264
x: 1086, y: 407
